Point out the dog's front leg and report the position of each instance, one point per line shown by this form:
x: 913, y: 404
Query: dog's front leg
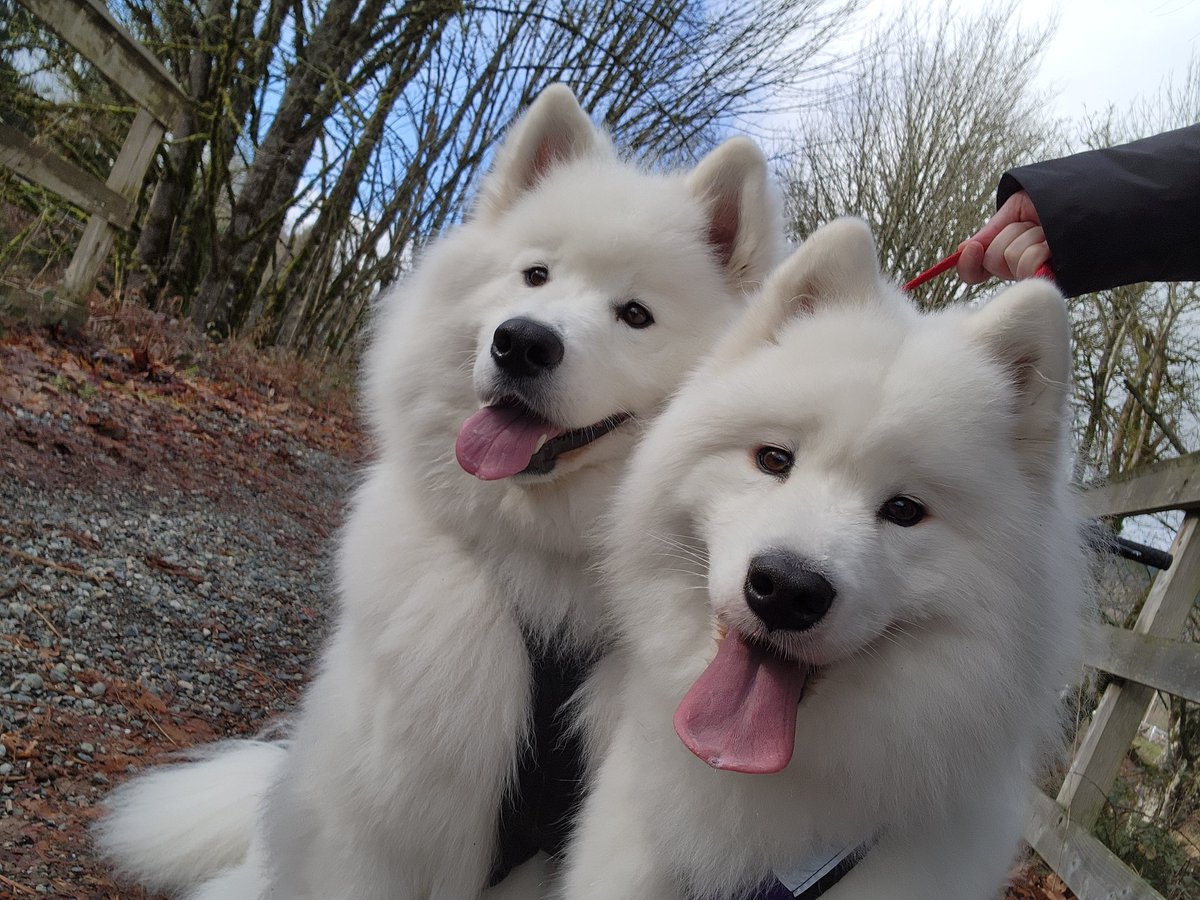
x: 612, y: 855
x: 406, y: 739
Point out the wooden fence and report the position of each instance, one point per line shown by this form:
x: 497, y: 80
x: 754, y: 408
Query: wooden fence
x: 87, y: 26
x: 1146, y: 659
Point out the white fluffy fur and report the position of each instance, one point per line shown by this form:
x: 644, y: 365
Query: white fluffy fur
x: 944, y: 652
x: 409, y: 735
x: 182, y: 823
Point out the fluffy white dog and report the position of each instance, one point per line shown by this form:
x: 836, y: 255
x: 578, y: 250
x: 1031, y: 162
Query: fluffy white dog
x: 529, y: 343
x: 849, y: 584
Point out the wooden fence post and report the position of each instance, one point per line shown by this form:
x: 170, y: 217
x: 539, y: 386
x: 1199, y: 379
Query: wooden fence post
x: 1089, y: 868
x: 1123, y: 706
x: 126, y: 180
x: 88, y: 26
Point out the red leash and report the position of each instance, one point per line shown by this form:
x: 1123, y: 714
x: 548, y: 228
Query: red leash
x: 1043, y: 271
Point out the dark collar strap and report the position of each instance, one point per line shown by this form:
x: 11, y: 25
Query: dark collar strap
x: 776, y: 890
x: 833, y: 876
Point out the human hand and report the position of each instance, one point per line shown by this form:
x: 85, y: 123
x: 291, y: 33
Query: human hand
x: 1011, y: 245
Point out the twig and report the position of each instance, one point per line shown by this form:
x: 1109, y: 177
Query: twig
x: 49, y: 624
x: 1156, y: 417
x: 50, y: 564
x: 137, y: 703
x: 155, y: 723
x: 19, y: 888
x: 157, y: 562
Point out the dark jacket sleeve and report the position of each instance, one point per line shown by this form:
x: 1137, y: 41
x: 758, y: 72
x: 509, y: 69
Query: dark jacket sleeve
x: 1119, y: 215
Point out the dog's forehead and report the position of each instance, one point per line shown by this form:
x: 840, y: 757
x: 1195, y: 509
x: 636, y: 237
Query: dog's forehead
x: 855, y: 379
x: 937, y: 403
x: 607, y: 211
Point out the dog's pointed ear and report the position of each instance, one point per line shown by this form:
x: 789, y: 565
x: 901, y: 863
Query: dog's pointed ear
x: 838, y: 263
x: 554, y: 130
x: 1026, y: 330
x: 745, y: 223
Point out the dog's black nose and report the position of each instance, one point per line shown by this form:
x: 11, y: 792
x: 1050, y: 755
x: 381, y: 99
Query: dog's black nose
x: 785, y: 592
x: 523, y: 347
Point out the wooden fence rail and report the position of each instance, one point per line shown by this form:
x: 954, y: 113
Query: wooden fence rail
x: 1147, y: 659
x: 87, y: 26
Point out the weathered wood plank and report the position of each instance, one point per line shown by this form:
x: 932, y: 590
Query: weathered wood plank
x: 50, y: 170
x: 1089, y: 868
x: 1170, y: 484
x: 1168, y: 665
x: 88, y: 27
x: 126, y: 178
x: 1123, y: 707
x: 129, y: 169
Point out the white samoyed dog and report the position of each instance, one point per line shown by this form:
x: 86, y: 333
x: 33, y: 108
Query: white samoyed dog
x: 848, y: 583
x: 506, y: 384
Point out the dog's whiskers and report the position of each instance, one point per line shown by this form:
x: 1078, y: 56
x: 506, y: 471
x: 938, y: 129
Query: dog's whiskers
x: 699, y: 554
x: 694, y: 573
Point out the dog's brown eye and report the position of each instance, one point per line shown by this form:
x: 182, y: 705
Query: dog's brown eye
x: 635, y: 315
x: 536, y: 276
x: 774, y: 461
x: 902, y: 511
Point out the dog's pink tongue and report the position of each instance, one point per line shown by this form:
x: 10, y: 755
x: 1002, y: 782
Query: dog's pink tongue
x: 741, y: 712
x: 499, y: 441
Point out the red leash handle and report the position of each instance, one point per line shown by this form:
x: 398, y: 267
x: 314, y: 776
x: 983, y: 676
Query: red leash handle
x: 1043, y: 271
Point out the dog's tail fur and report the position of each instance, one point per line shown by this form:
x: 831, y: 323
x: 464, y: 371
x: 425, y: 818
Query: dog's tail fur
x: 176, y: 826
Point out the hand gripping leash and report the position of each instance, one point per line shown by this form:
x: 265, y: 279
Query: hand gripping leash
x: 1043, y: 271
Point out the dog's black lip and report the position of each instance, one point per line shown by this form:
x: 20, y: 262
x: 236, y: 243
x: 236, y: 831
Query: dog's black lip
x: 542, y: 462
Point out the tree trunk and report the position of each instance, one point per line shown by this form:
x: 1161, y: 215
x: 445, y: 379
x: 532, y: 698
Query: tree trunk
x: 183, y: 157
x: 317, y: 82
x: 308, y: 273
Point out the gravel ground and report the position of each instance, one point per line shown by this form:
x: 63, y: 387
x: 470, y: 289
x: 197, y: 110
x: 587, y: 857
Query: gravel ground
x: 162, y: 583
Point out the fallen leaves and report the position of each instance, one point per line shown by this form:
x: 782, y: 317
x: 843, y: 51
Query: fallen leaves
x: 19, y: 747
x: 1033, y: 881
x: 57, y: 792
x: 106, y: 426
x: 19, y: 888
x: 81, y: 411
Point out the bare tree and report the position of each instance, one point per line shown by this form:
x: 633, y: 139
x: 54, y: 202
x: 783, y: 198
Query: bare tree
x: 345, y: 47
x: 329, y: 139
x: 663, y: 82
x: 220, y: 53
x: 920, y: 134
